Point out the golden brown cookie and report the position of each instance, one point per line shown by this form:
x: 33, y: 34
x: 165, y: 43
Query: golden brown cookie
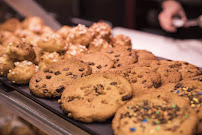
x: 22, y: 72
x: 11, y: 25
x: 121, y: 40
x: 97, y: 61
x: 52, y: 80
x: 95, y: 97
x: 121, y: 55
x: 155, y: 114
x: 144, y: 55
x: 64, y: 31
x: 98, y: 44
x: 5, y: 65
x: 74, y: 50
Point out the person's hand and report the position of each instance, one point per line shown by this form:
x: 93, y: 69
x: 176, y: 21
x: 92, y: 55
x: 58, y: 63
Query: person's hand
x: 170, y: 8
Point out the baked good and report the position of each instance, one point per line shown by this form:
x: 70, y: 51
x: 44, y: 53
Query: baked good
x: 48, y: 58
x: 74, y: 50
x: 6, y: 37
x: 5, y: 64
x: 11, y: 25
x: 52, y: 80
x: 22, y: 72
x: 144, y: 55
x: 79, y: 35
x: 97, y: 61
x: 98, y: 44
x: 156, y: 113
x: 191, y: 90
x: 121, y: 40
x: 101, y: 30
x: 64, y: 31
x: 2, y: 50
x: 87, y: 97
x: 121, y: 55
x: 22, y: 50
x: 143, y: 80
x: 52, y: 43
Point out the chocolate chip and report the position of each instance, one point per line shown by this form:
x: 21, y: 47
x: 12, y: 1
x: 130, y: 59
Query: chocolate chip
x: 57, y: 73
x: 156, y: 85
x: 74, y: 76
x: 81, y: 69
x: 126, y: 97
x: 186, y: 63
x: 91, y: 63
x: 60, y: 89
x: 66, y: 69
x: 48, y: 77
x: 46, y: 70
x: 106, y: 65
x: 119, y: 65
x: 113, y: 83
x: 171, y: 66
x: 116, y: 55
x: 44, y: 86
x: 143, y: 82
x: 45, y: 91
x: 70, y: 99
x: 83, y: 75
x: 178, y: 86
x: 69, y: 73
x: 110, y: 52
x: 134, y: 81
x: 38, y: 80
x: 99, y: 67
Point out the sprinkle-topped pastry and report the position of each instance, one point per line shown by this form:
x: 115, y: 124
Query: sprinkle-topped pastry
x: 155, y: 113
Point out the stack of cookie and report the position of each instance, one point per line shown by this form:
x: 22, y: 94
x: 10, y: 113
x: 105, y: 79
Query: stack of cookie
x: 91, y: 70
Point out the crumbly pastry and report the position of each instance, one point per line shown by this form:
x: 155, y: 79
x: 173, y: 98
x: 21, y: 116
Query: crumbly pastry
x: 191, y: 90
x: 144, y: 55
x: 121, y: 55
x: 101, y: 30
x: 156, y: 113
x: 121, y: 40
x: 34, y: 24
x: 64, y: 31
x: 6, y: 37
x: 5, y: 64
x: 79, y: 35
x: 21, y: 50
x: 22, y: 72
x: 51, y: 81
x: 97, y: 61
x: 96, y: 97
x: 98, y: 44
x: 48, y: 59
x: 52, y: 43
x: 11, y: 25
x: 143, y: 80
x: 74, y: 50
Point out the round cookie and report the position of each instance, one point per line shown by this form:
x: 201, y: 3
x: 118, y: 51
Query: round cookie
x: 143, y: 80
x: 52, y: 43
x: 19, y: 51
x: 156, y: 114
x: 98, y: 44
x: 52, y: 80
x: 121, y: 55
x: 97, y: 61
x: 5, y: 64
x: 191, y: 90
x: 22, y: 72
x: 144, y: 55
x: 96, y: 97
x: 79, y: 35
x: 121, y: 40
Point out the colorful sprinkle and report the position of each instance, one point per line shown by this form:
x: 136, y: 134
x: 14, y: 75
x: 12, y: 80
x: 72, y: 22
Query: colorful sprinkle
x: 178, y: 91
x: 157, y: 112
x: 158, y: 128
x: 174, y: 106
x: 132, y: 129
x: 158, y: 122
x: 186, y: 116
x: 199, y: 93
x: 144, y: 120
x: 196, y: 100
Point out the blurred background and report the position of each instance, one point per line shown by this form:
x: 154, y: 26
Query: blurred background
x: 134, y: 14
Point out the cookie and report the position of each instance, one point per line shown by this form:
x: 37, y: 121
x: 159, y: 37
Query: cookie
x: 6, y: 37
x: 121, y: 40
x: 22, y: 50
x: 5, y: 65
x: 11, y: 25
x: 97, y: 61
x: 98, y: 44
x: 191, y: 90
x: 121, y: 55
x: 79, y: 35
x: 22, y: 72
x: 143, y: 80
x: 74, y: 50
x: 144, y: 55
x: 157, y: 113
x: 64, y: 31
x: 52, y: 80
x: 87, y: 97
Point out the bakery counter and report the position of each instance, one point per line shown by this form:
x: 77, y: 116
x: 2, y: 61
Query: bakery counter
x: 37, y: 115
x: 189, y: 50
